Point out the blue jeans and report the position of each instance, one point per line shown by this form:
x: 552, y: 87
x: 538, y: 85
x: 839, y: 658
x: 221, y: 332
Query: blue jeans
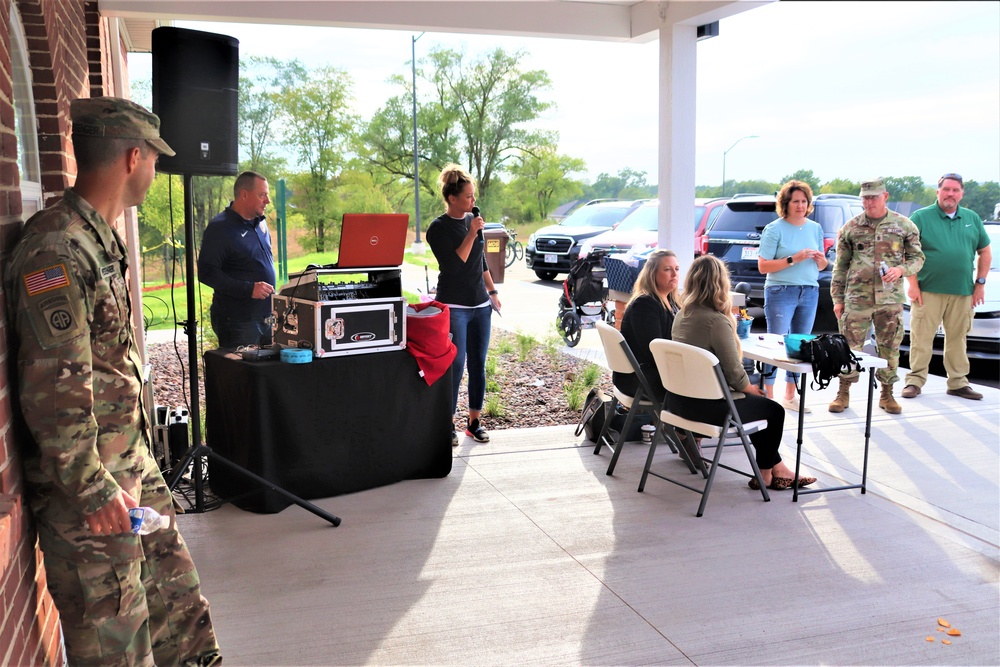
x: 789, y: 309
x: 470, y: 332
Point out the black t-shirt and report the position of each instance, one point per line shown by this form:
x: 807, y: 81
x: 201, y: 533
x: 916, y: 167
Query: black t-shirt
x: 459, y: 283
x: 644, y: 319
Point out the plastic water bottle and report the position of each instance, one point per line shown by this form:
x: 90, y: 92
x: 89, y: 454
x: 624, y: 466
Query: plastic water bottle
x: 146, y: 520
x: 883, y: 269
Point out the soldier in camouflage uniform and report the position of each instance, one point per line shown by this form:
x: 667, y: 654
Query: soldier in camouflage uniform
x: 123, y: 599
x: 863, y: 297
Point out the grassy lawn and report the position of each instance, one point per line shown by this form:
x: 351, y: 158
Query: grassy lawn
x: 158, y: 305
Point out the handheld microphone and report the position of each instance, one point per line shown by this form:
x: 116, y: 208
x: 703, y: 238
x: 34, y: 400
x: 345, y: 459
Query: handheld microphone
x: 475, y: 214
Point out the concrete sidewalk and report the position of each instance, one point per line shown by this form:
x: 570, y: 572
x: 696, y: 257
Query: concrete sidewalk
x: 529, y: 554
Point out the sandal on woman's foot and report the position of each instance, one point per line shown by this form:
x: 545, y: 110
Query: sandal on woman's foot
x: 781, y: 483
x: 805, y: 481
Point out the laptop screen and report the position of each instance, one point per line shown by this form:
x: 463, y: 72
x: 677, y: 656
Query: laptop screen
x: 372, y: 239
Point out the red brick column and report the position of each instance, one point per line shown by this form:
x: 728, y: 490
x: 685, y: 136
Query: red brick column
x: 68, y: 59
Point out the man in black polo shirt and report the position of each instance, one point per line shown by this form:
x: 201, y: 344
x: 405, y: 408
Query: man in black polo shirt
x: 236, y: 262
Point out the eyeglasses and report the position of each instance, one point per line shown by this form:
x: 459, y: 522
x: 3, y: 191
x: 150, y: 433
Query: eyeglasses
x: 870, y: 197
x: 954, y: 177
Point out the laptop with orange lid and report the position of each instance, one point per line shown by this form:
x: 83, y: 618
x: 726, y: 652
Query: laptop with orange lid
x: 372, y: 239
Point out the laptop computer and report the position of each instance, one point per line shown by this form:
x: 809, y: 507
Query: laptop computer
x: 372, y: 239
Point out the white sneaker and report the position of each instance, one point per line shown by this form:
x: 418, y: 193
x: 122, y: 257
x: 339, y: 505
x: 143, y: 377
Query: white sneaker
x: 793, y: 404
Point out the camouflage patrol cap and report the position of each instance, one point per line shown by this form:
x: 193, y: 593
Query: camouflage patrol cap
x: 875, y: 186
x: 116, y: 118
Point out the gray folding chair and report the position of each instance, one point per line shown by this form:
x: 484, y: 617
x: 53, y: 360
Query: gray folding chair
x: 692, y: 372
x: 621, y: 360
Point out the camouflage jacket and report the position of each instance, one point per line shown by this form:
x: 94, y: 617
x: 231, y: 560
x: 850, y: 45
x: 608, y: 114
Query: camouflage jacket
x: 78, y: 371
x: 861, y: 247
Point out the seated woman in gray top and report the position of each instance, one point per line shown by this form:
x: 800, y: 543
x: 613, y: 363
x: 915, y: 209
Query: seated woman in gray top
x: 706, y: 321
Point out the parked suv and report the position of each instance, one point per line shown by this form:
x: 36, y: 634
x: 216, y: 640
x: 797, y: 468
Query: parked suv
x: 638, y: 229
x: 641, y: 227
x: 552, y: 250
x: 735, y: 238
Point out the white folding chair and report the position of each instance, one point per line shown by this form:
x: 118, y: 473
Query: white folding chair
x: 622, y: 360
x: 692, y: 372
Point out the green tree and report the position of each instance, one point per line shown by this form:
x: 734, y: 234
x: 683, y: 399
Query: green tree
x: 541, y: 176
x: 707, y: 191
x: 906, y: 188
x: 320, y: 130
x: 627, y: 184
x: 804, y: 175
x: 264, y: 80
x: 758, y: 186
x: 840, y: 186
x: 492, y: 100
x: 161, y: 225
x: 385, y: 145
x: 982, y: 198
x: 357, y: 193
x: 474, y: 112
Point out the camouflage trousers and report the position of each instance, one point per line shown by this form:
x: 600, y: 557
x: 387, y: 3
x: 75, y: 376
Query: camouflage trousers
x: 146, y: 611
x: 855, y: 323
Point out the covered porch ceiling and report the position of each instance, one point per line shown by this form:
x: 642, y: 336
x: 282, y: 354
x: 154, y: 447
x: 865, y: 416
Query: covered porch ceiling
x: 674, y: 23
x: 599, y: 20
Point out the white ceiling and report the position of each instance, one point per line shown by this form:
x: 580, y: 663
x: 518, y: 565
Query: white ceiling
x: 600, y: 20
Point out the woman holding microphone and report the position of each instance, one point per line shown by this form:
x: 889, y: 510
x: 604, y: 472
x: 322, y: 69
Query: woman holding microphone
x: 465, y: 285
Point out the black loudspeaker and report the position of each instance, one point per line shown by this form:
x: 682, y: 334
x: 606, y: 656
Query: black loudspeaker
x: 195, y: 94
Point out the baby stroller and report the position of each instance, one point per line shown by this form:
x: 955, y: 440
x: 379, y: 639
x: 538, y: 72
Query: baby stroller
x: 584, y: 297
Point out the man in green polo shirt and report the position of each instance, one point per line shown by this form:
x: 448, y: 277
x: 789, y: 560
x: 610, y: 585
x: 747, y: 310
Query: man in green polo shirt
x: 944, y: 292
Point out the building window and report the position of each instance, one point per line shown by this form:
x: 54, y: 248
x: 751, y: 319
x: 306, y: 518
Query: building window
x: 25, y: 126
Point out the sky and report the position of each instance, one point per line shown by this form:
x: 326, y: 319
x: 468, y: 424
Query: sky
x: 849, y: 90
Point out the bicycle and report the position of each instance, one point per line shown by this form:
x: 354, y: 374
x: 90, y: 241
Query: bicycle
x: 515, y: 251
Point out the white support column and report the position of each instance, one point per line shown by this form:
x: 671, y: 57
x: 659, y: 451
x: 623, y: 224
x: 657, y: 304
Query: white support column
x: 678, y: 79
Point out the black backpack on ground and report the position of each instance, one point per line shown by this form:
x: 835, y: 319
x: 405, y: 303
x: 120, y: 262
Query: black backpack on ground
x: 598, y: 408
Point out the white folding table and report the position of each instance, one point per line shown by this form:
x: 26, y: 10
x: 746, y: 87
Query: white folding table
x: 770, y: 349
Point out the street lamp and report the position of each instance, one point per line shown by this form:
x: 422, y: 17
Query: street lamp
x: 751, y: 136
x: 418, y: 246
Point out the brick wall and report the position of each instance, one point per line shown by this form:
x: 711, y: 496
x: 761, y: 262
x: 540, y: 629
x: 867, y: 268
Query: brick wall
x: 68, y: 57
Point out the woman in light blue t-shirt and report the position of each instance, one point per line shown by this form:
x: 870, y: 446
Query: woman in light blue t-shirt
x: 791, y: 254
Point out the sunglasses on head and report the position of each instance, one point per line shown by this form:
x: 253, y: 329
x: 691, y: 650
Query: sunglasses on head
x: 954, y: 177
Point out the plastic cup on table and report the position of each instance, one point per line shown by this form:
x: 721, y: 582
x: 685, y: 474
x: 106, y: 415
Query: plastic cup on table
x: 743, y: 327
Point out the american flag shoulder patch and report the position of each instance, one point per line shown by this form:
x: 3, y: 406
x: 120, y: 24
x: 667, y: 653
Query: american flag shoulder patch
x: 46, y: 279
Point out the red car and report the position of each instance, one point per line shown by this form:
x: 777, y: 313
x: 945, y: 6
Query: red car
x: 709, y: 209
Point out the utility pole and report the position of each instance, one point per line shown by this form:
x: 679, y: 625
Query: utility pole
x: 752, y: 136
x: 418, y: 246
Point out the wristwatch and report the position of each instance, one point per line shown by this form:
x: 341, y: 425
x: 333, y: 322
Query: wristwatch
x: 492, y: 292
x: 980, y: 281
x: 790, y: 260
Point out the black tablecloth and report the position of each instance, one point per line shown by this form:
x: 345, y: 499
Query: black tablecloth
x: 336, y: 425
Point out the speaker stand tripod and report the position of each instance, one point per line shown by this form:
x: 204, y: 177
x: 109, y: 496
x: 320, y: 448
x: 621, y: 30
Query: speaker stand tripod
x: 197, y: 450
